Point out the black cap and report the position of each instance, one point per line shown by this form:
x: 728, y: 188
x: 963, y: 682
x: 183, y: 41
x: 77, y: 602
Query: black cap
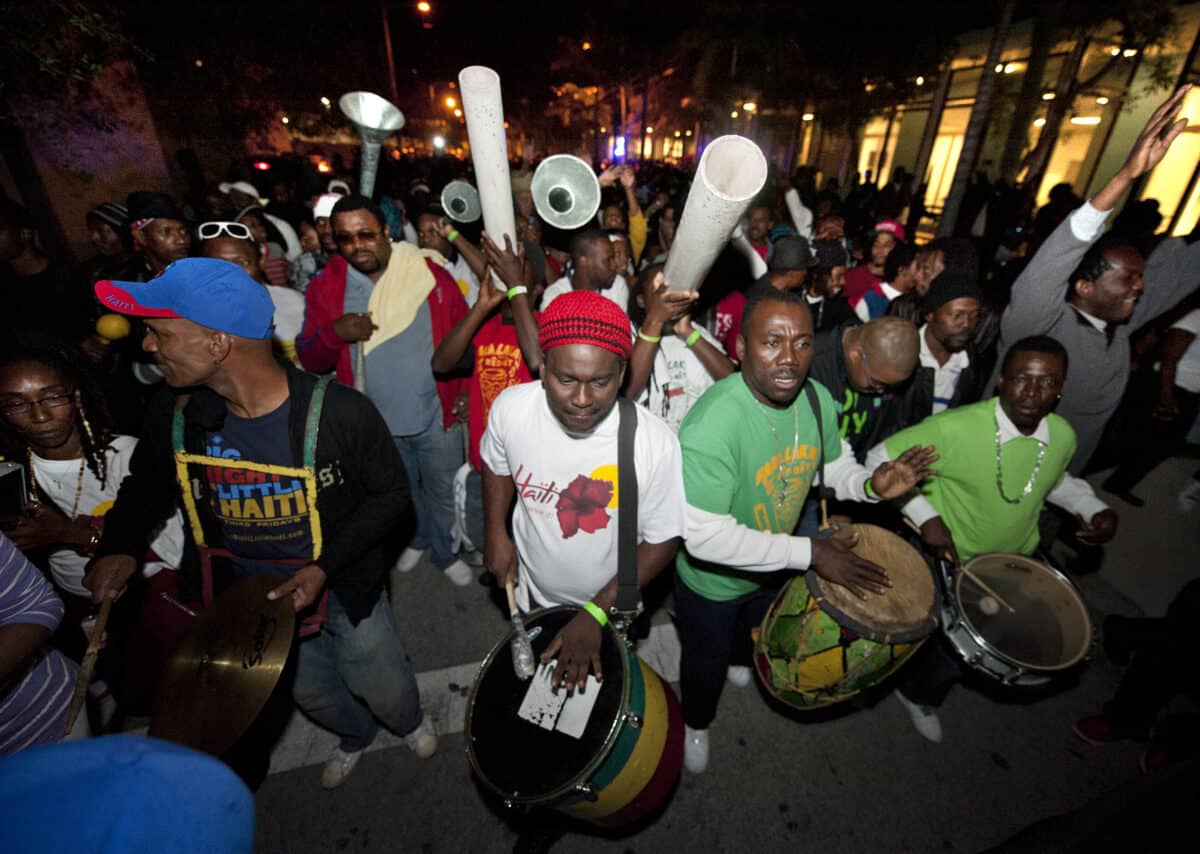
x: 950, y: 286
x: 145, y: 204
x: 830, y: 253
x: 790, y: 253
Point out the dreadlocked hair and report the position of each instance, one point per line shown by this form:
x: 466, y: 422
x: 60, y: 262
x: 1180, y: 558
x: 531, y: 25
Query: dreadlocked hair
x: 72, y: 365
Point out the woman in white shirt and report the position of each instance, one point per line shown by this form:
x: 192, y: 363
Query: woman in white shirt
x: 50, y: 403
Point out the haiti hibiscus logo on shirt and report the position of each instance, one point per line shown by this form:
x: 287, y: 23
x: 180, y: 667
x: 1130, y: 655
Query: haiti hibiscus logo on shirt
x: 581, y: 506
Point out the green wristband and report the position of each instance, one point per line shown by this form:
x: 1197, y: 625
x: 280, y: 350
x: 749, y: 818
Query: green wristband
x: 693, y: 338
x: 597, y: 612
x: 650, y: 339
x: 453, y: 235
x: 517, y: 291
x: 869, y: 488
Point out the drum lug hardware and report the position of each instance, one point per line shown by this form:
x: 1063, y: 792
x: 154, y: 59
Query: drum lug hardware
x: 588, y: 791
x: 633, y: 720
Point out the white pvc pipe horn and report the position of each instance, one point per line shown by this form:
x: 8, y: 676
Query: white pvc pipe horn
x: 460, y: 201
x: 484, y: 112
x: 731, y: 173
x: 566, y: 192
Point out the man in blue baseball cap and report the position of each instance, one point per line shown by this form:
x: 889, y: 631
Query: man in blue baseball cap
x: 291, y: 487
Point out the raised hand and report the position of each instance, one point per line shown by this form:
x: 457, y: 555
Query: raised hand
x: 1156, y: 137
x: 895, y: 478
x: 509, y: 264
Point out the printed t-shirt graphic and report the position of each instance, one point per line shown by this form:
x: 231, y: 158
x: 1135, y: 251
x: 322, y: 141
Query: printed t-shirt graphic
x: 263, y: 514
x: 498, y: 365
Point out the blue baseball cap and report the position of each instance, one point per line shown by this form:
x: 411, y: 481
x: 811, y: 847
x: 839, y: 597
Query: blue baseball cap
x: 207, y: 291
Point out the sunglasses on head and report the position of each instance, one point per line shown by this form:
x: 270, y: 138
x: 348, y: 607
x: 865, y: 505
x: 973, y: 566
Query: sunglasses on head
x: 236, y: 230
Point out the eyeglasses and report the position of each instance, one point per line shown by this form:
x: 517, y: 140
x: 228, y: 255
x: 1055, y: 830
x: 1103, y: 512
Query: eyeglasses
x: 50, y: 401
x: 236, y: 230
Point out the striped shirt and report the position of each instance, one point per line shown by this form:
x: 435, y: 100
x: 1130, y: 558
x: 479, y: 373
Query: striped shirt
x: 33, y: 707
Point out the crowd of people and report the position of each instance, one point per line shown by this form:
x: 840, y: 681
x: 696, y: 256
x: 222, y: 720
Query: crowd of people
x: 325, y: 391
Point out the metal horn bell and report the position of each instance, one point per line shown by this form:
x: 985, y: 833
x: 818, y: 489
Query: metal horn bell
x: 566, y: 192
x: 376, y: 119
x: 460, y: 201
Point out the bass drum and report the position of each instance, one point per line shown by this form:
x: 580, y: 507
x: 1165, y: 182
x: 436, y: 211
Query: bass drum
x: 626, y: 759
x: 1048, y: 630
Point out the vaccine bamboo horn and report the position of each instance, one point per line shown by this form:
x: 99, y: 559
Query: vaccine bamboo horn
x: 460, y: 201
x: 376, y: 119
x: 731, y: 173
x: 566, y: 192
x: 484, y: 112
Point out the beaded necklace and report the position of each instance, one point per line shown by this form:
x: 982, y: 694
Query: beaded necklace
x: 1037, y: 465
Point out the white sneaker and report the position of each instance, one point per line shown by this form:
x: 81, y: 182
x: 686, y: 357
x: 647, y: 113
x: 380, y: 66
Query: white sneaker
x: 473, y: 558
x: 924, y: 718
x: 409, y: 560
x: 739, y: 675
x: 423, y: 740
x: 338, y: 767
x: 460, y: 573
x: 695, y: 749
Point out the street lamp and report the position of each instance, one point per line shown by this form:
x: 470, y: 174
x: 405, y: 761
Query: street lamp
x: 439, y: 142
x: 451, y: 102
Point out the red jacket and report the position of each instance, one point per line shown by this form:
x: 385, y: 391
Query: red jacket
x: 321, y: 350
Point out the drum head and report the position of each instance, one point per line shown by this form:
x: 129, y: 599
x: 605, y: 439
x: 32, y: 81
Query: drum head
x: 905, y: 612
x: 518, y: 759
x: 1049, y: 627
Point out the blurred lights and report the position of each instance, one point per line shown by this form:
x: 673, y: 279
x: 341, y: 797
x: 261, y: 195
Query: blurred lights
x: 439, y: 142
x: 920, y: 81
x: 1047, y: 96
x: 451, y: 102
x: 734, y: 114
x: 689, y: 133
x: 285, y: 120
x: 1012, y: 68
x: 458, y: 114
x: 262, y: 165
x: 749, y: 106
x: 586, y: 45
x: 325, y: 102
x: 649, y: 131
x: 1128, y: 52
x: 678, y: 134
x: 1085, y: 120
x: 619, y: 147
x: 1102, y: 100
x: 603, y: 130
x: 323, y: 167
x: 1114, y: 51
x: 199, y: 63
x: 999, y: 67
x: 424, y: 8
x: 1037, y: 123
x: 807, y: 117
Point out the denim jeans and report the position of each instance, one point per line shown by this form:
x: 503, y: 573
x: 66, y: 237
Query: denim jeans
x: 474, y: 521
x: 348, y: 676
x: 431, y: 458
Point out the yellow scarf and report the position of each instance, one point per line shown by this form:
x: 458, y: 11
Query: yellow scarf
x: 397, y: 296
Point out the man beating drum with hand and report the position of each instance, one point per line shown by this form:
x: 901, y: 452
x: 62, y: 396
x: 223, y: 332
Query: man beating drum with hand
x: 1001, y: 459
x: 751, y: 449
x: 553, y: 444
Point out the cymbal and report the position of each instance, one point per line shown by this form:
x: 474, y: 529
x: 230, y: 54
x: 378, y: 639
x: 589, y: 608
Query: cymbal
x: 219, y: 678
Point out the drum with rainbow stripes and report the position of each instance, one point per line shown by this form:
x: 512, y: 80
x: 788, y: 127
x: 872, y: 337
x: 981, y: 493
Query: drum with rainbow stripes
x: 612, y: 766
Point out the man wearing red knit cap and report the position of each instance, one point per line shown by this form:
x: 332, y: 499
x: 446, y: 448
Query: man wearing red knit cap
x: 553, y: 444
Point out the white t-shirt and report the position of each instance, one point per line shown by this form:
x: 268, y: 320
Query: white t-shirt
x: 289, y: 312
x: 59, y: 480
x: 464, y: 277
x: 1187, y: 372
x: 618, y: 292
x: 677, y: 379
x: 565, y: 523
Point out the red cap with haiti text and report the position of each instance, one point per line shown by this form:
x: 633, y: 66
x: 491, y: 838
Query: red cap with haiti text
x: 212, y: 293
x: 892, y: 227
x: 586, y: 317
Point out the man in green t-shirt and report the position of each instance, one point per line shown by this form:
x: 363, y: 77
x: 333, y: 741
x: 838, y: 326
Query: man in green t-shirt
x: 751, y: 448
x: 1001, y: 459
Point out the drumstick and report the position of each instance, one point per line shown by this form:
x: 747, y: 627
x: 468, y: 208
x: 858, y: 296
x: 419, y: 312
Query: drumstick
x: 88, y: 665
x: 979, y: 582
x: 522, y: 649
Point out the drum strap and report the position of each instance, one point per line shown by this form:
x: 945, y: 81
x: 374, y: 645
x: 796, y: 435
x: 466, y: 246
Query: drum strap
x: 628, y: 594
x: 811, y: 393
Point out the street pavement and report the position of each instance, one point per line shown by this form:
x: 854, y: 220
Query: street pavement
x: 856, y: 778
